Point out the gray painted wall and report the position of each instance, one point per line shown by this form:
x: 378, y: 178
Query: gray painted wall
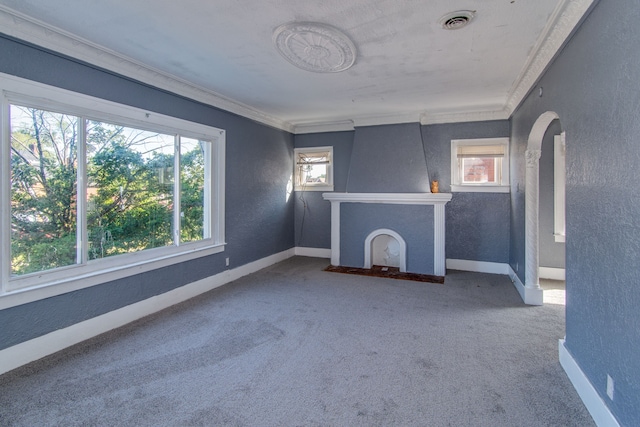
x: 593, y: 87
x: 312, y: 212
x: 551, y: 252
x: 477, y: 224
x: 413, y: 222
x: 388, y: 159
x: 258, y: 217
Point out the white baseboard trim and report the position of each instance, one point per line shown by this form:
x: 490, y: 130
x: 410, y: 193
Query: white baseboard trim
x: 530, y: 296
x: 478, y: 266
x: 595, y: 405
x: 37, y: 348
x: 551, y: 273
x: 313, y: 252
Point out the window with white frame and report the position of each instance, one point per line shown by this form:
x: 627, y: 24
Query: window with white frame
x: 314, y: 169
x: 480, y: 165
x: 559, y: 149
x: 92, y: 187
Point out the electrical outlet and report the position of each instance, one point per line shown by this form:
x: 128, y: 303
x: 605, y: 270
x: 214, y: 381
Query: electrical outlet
x: 226, y: 262
x: 610, y: 387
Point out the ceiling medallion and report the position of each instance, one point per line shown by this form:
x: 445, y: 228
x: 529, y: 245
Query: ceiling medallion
x: 315, y: 47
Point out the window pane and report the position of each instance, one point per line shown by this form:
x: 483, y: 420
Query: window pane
x: 312, y: 168
x: 480, y: 170
x: 192, y: 189
x: 129, y: 189
x: 43, y: 189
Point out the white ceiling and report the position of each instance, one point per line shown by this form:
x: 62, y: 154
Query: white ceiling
x: 408, y: 68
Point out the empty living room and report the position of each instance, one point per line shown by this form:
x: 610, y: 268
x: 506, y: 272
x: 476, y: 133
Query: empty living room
x: 276, y: 213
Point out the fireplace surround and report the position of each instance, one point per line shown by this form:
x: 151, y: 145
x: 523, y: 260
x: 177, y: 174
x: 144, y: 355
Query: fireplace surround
x: 416, y: 218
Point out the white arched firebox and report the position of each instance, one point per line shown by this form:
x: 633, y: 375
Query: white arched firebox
x: 386, y: 248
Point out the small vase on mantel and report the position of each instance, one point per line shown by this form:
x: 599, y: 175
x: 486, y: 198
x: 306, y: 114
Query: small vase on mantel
x: 434, y: 186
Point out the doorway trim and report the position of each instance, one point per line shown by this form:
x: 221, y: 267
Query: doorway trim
x: 532, y: 292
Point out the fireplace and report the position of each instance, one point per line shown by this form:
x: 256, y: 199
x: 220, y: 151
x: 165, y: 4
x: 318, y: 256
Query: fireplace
x: 410, y: 226
x: 385, y: 248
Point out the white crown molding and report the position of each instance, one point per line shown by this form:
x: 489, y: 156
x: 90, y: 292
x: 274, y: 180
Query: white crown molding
x: 431, y: 118
x: 359, y: 121
x: 21, y: 26
x: 565, y: 18
x: 386, y: 119
x: 319, y: 127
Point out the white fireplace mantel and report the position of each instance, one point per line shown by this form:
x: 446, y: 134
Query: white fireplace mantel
x: 390, y: 198
x: 438, y: 200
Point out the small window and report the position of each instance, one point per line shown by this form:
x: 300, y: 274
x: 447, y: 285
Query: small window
x: 314, y: 169
x: 559, y: 188
x: 480, y: 165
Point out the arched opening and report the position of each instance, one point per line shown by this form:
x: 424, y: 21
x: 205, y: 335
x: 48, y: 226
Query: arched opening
x: 385, y: 247
x: 533, y: 293
x: 551, y: 219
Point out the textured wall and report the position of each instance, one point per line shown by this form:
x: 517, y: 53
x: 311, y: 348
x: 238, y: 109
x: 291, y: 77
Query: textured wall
x: 258, y: 217
x: 413, y: 223
x: 388, y: 159
x: 477, y: 224
x: 478, y: 227
x: 551, y: 252
x: 593, y: 87
x: 313, y: 224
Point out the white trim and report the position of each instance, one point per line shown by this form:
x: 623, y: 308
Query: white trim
x: 438, y: 200
x: 379, y: 232
x: 559, y: 186
x: 563, y: 21
x: 532, y: 198
x: 434, y: 117
x: 529, y: 295
x: 456, y: 172
x: 320, y: 127
x: 596, y: 406
x: 478, y: 266
x: 325, y: 186
x: 559, y: 238
x: 469, y: 188
x: 439, y: 230
x: 312, y: 252
x: 28, y: 351
x: 81, y: 281
x: 551, y: 273
x: 390, y: 198
x: 335, y: 231
x: 28, y: 288
x: 37, y: 32
x: 565, y: 18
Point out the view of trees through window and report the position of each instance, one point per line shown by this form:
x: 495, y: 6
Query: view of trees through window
x: 130, y: 186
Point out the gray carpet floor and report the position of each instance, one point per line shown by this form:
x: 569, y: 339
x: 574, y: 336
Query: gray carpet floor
x: 293, y: 345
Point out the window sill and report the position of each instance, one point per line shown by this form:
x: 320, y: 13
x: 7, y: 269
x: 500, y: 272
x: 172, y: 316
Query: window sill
x: 315, y: 188
x: 100, y: 275
x: 480, y: 189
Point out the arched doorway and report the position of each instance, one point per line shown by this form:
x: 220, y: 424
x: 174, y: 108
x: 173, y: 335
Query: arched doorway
x: 533, y: 293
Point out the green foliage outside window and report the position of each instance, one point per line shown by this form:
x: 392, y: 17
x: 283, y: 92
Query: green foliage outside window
x: 130, y: 190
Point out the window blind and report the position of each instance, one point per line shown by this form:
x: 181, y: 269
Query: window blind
x: 475, y: 151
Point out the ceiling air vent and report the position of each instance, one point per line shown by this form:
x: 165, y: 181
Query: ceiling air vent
x: 456, y: 20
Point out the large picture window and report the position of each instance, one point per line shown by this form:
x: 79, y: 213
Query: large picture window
x: 91, y: 191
